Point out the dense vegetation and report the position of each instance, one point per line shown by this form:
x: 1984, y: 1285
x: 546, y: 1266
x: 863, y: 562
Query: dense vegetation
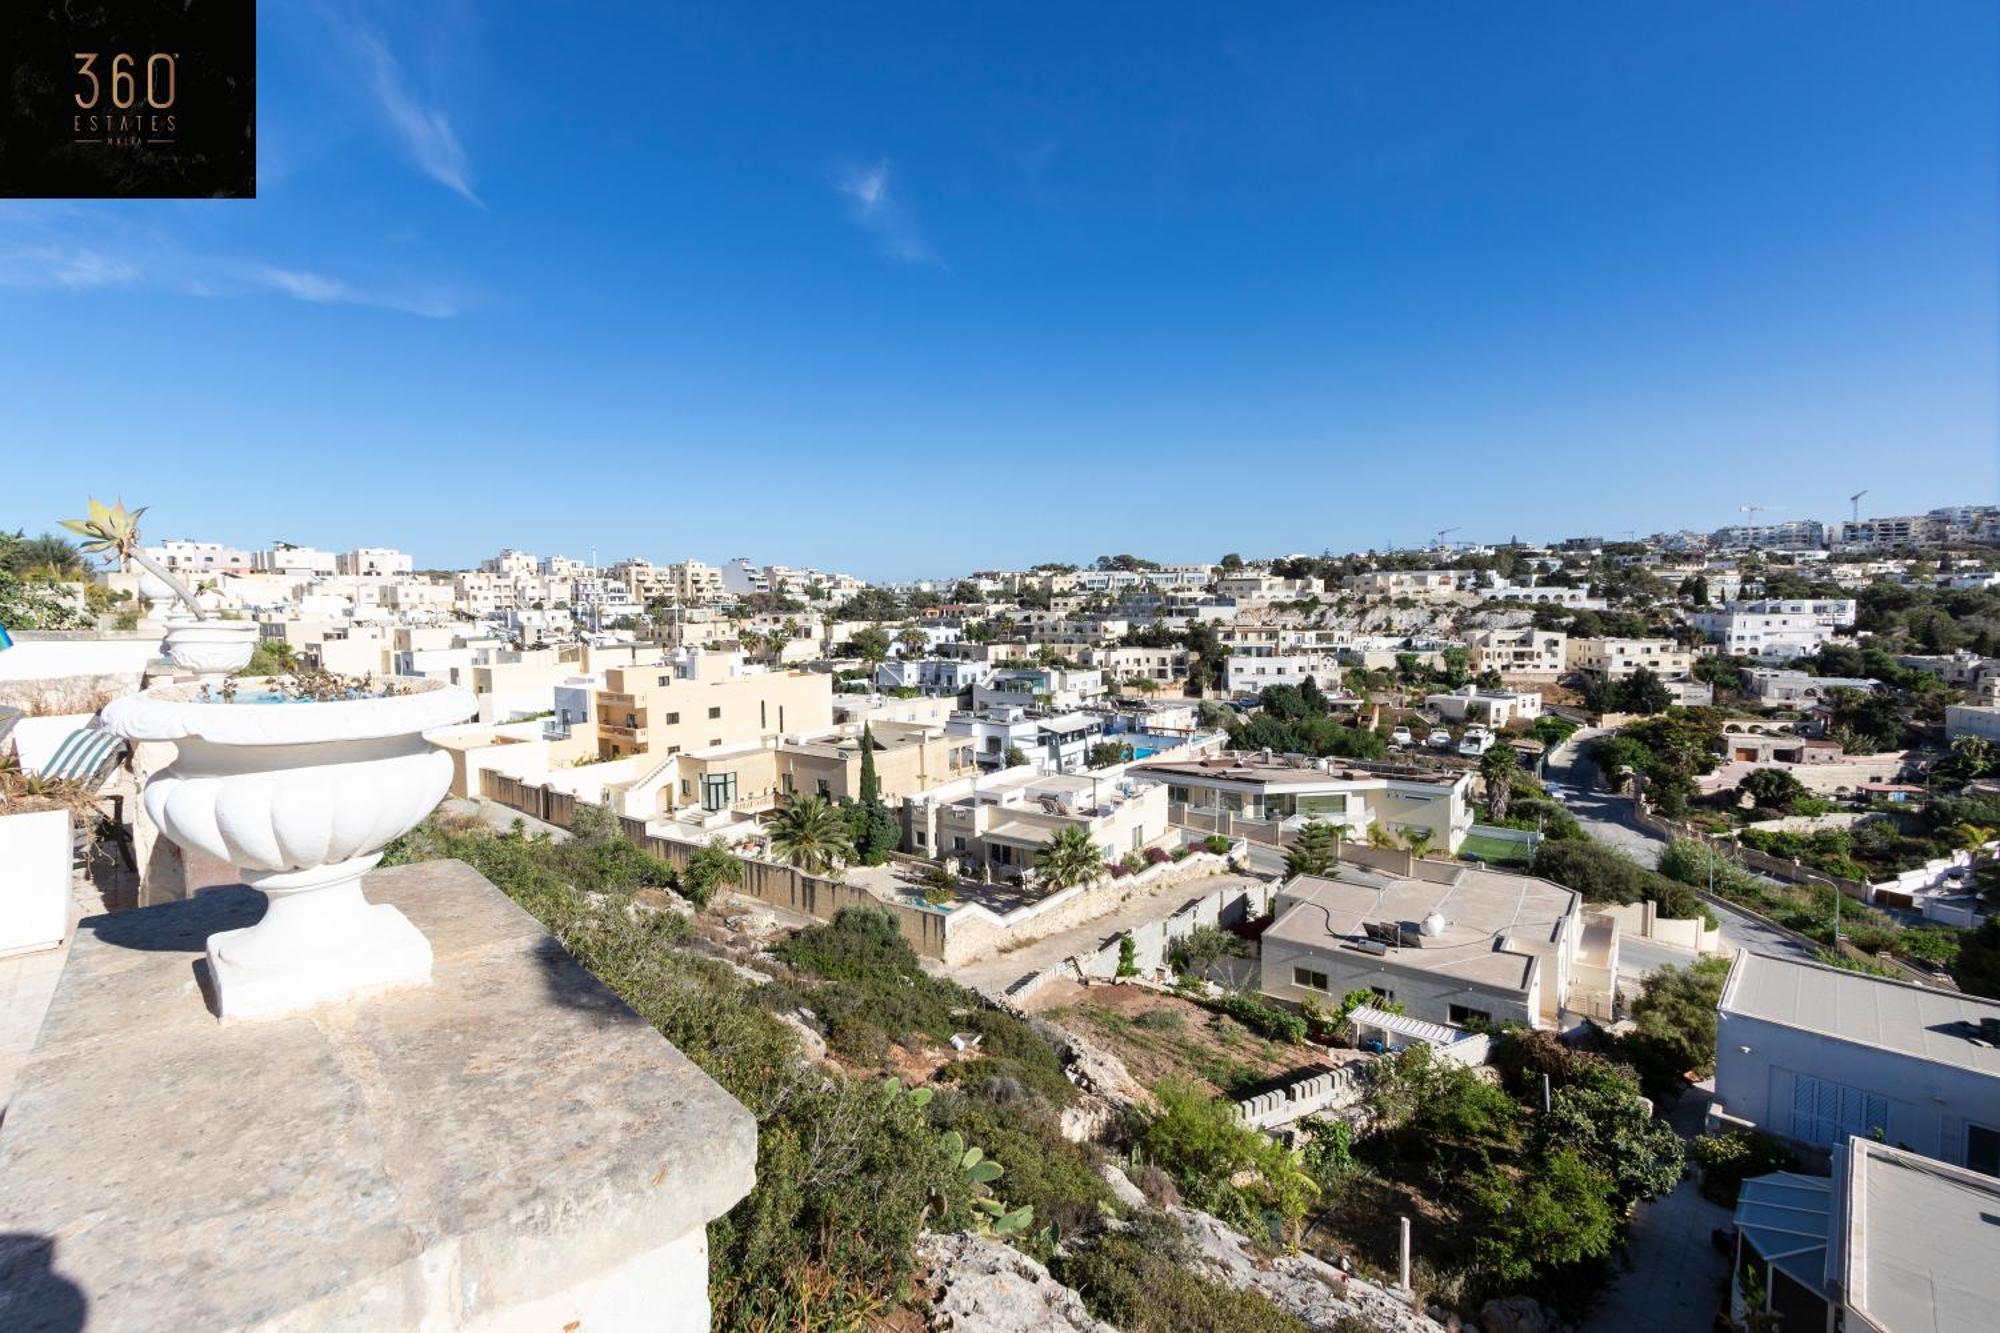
x: 1296, y: 719
x: 1517, y: 1199
x: 1603, y: 874
x: 851, y: 1167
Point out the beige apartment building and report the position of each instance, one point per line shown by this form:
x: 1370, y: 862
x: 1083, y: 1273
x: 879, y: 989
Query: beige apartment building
x: 1615, y: 659
x: 1519, y: 652
x: 700, y: 700
x: 757, y: 775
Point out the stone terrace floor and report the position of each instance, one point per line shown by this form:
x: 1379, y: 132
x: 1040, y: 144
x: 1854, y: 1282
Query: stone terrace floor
x: 28, y: 980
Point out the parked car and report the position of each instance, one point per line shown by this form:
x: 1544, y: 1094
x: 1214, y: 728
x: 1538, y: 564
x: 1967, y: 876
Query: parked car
x: 1440, y: 739
x: 1476, y: 741
x: 1401, y: 736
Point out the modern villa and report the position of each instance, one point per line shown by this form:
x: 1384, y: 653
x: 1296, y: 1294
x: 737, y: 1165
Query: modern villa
x: 1449, y: 943
x: 1286, y: 790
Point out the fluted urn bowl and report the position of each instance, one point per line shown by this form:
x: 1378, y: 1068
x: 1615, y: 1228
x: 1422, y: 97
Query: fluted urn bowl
x: 301, y: 796
x: 211, y: 648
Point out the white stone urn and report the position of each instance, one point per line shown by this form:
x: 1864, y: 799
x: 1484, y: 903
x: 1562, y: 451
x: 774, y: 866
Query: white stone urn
x: 301, y: 796
x: 158, y: 594
x: 210, y: 648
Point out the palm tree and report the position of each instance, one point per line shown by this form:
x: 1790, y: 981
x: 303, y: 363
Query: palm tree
x: 1070, y: 858
x: 1496, y: 766
x: 810, y: 835
x: 1381, y: 837
x: 913, y: 641
x: 1418, y: 840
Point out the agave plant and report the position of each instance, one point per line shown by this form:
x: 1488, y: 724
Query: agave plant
x: 114, y: 530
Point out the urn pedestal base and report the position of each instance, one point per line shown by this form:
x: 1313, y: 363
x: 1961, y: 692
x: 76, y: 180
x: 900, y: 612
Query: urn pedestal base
x: 319, y: 941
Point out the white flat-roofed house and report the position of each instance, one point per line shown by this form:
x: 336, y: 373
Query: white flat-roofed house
x: 1420, y: 584
x: 1775, y: 687
x: 1249, y: 671
x: 1832, y: 612
x: 1892, y: 1242
x: 1542, y: 594
x: 285, y: 558
x: 375, y: 561
x: 1815, y: 1054
x: 1451, y: 944
x: 198, y: 558
x: 1496, y: 708
x: 1230, y: 790
x: 1774, y: 637
x: 1981, y: 720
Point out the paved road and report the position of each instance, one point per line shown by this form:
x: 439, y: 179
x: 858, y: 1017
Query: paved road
x: 1608, y: 818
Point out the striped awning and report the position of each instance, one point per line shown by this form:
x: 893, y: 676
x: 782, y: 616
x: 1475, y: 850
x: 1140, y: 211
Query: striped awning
x: 85, y: 756
x: 1402, y: 1025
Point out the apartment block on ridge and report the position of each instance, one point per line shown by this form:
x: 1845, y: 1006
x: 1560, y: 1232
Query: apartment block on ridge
x: 697, y: 700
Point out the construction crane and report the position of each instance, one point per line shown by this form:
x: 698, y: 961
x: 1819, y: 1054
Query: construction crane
x: 1750, y: 512
x: 1855, y: 500
x: 1442, y: 533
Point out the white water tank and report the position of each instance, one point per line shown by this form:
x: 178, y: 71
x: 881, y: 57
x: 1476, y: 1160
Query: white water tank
x: 1433, y: 925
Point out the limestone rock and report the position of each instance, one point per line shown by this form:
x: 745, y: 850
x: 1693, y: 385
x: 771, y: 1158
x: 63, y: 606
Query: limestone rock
x: 1090, y: 1119
x: 1098, y: 1071
x: 1122, y: 1188
x: 1310, y: 1289
x: 982, y: 1285
x: 1514, y: 1314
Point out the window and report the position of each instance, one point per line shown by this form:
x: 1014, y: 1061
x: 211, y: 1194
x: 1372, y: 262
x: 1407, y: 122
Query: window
x: 1310, y: 979
x: 824, y: 789
x: 1982, y: 1149
x: 718, y: 791
x: 715, y: 712
x: 1381, y: 994
x: 663, y: 680
x: 958, y: 844
x: 673, y: 719
x: 715, y: 740
x: 1462, y: 1016
x: 920, y: 837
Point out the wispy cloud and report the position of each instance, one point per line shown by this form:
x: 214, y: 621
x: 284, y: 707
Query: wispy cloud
x: 38, y: 250
x: 875, y: 208
x: 423, y: 131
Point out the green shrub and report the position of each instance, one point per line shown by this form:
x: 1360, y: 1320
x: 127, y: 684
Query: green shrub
x: 1127, y: 954
x: 1040, y: 1167
x: 1261, y: 1016
x: 1727, y: 1160
x: 1673, y: 1032
x: 1215, y: 843
x: 1161, y: 1020
x: 1204, y: 947
x: 1199, y: 1141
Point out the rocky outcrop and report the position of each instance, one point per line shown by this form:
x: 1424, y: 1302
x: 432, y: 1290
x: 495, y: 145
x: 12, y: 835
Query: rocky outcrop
x: 1100, y: 1073
x: 1310, y: 1289
x: 1516, y: 1314
x: 982, y: 1285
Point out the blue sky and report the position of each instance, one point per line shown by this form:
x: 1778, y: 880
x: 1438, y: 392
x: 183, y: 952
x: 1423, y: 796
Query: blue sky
x: 914, y: 288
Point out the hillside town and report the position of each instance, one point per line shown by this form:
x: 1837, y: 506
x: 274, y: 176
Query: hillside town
x: 1594, y: 933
